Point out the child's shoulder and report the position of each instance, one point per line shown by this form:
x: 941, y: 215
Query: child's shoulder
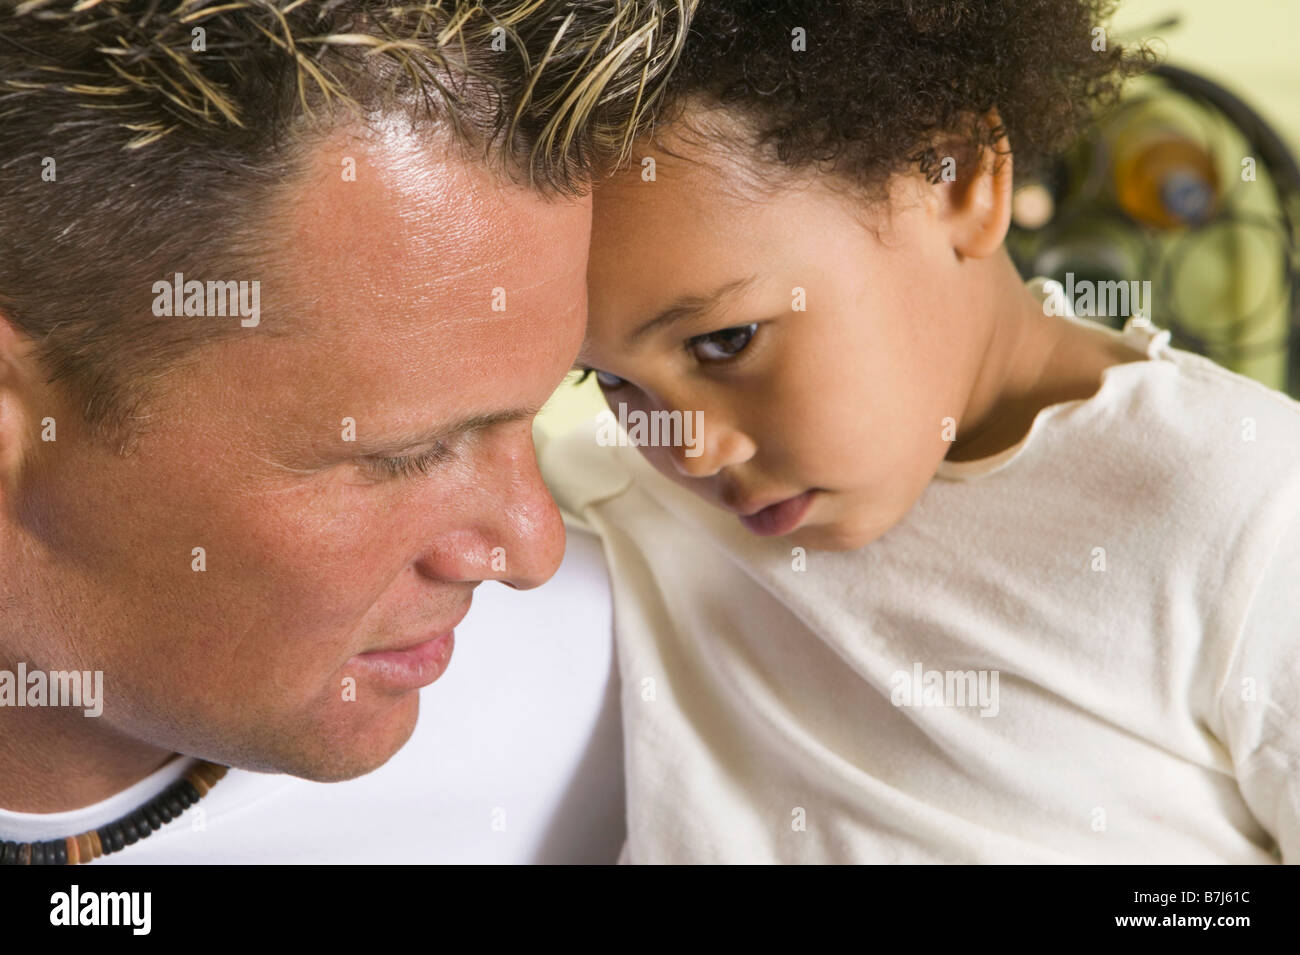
x: 1202, y: 437
x: 580, y: 470
x: 1204, y: 406
x: 1209, y: 381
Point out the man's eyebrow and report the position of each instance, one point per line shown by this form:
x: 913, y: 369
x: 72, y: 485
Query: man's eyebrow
x: 688, y: 306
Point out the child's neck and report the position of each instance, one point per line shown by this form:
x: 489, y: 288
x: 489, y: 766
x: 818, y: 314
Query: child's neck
x: 1031, y: 360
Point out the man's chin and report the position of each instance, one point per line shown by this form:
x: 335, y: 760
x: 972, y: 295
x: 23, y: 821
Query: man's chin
x: 342, y: 750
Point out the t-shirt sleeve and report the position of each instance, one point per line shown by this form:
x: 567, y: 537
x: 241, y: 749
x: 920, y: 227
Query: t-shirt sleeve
x: 1260, y: 697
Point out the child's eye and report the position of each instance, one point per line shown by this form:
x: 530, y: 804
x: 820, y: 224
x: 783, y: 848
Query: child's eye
x: 724, y: 344
x: 406, y: 465
x: 712, y: 347
x: 603, y: 378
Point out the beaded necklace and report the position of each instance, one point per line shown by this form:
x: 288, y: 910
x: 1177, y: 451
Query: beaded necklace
x: 128, y: 830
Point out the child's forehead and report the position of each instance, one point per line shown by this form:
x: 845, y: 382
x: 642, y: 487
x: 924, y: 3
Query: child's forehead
x: 710, y: 156
x: 717, y: 188
x: 701, y: 147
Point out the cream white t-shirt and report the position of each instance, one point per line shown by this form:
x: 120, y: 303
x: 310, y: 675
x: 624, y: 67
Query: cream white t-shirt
x: 1083, y: 649
x: 516, y: 758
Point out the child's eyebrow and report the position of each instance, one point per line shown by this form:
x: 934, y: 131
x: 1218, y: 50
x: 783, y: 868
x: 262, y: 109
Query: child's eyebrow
x: 688, y: 306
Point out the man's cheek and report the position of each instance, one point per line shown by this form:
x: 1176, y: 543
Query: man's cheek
x: 325, y: 524
x: 299, y: 572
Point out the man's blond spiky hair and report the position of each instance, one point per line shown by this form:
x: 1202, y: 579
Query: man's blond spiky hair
x: 173, y: 121
x: 591, y: 71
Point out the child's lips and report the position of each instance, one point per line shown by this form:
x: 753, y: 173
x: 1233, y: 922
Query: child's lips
x: 779, y: 518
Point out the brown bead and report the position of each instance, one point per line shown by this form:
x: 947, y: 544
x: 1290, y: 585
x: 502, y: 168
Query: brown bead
x: 85, y: 848
x: 198, y: 782
x: 25, y: 853
x: 96, y: 847
x: 73, y: 850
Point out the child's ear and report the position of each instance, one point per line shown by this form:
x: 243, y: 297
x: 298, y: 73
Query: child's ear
x: 975, y: 195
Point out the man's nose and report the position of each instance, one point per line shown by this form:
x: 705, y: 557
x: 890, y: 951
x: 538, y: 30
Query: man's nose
x: 508, y: 526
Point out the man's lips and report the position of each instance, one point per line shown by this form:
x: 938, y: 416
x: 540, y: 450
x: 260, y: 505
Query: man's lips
x: 778, y: 518
x: 407, y: 669
x: 412, y: 665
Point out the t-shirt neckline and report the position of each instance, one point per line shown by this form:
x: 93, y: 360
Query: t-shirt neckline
x: 44, y: 826
x: 1138, y: 333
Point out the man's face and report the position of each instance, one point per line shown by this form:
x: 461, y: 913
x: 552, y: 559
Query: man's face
x: 277, y: 452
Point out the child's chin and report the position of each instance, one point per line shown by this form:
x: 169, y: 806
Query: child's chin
x: 828, y: 537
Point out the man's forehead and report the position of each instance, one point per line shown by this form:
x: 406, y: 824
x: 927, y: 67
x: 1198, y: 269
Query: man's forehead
x: 414, y: 289
x: 391, y: 218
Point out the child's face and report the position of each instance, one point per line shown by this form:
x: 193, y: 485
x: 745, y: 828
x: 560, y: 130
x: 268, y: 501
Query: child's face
x: 824, y: 368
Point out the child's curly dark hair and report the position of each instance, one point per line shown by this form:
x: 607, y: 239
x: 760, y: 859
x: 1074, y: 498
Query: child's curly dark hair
x: 881, y: 81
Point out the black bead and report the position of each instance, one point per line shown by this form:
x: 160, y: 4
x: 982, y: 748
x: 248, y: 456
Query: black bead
x: 152, y: 814
x: 9, y: 853
x: 160, y: 806
x: 130, y: 836
x: 143, y: 826
x: 173, y: 804
x: 189, y: 790
x: 60, y: 851
x: 38, y: 853
x: 110, y: 839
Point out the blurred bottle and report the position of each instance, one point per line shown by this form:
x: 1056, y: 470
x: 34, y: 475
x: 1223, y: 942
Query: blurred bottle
x: 1161, y: 176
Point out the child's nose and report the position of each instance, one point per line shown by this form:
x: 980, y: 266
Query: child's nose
x: 716, y: 443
